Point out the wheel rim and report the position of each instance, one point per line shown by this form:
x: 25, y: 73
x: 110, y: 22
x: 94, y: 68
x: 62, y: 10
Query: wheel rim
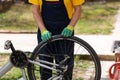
x: 86, y: 64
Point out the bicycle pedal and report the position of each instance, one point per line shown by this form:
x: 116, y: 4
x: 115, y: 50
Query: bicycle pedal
x: 7, y: 44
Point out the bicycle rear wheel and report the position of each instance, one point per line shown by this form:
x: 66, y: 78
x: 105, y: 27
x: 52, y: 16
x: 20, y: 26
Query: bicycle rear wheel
x: 86, y: 62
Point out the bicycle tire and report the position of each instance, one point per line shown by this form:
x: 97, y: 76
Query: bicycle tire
x: 85, y: 45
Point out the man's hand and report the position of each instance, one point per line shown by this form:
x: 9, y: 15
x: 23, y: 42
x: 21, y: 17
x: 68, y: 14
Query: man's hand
x: 46, y: 35
x: 67, y: 31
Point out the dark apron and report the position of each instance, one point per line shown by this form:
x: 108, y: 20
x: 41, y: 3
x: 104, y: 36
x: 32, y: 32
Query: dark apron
x: 55, y: 18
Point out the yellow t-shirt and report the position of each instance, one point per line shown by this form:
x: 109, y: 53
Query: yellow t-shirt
x: 69, y: 4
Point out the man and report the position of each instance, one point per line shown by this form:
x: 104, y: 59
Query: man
x: 55, y: 17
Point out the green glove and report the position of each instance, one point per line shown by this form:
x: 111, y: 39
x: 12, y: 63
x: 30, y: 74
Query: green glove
x: 67, y: 31
x: 46, y: 35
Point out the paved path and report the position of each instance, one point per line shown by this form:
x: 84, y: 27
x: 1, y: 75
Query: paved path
x: 101, y: 43
x: 105, y: 67
x: 25, y: 42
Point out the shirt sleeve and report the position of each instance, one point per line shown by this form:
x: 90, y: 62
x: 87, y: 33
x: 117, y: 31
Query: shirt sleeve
x: 36, y: 2
x: 78, y: 2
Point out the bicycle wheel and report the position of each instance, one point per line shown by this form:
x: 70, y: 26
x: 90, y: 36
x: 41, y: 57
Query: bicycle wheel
x: 86, y: 62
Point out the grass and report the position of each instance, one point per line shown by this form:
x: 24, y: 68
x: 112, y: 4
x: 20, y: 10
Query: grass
x: 18, y: 18
x: 14, y: 74
x: 96, y: 18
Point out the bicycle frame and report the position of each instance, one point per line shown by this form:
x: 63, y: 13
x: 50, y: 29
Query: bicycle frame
x: 9, y: 65
x: 5, y: 68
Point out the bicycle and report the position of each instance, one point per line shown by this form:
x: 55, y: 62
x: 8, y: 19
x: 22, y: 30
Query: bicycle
x: 86, y: 68
x: 114, y: 69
